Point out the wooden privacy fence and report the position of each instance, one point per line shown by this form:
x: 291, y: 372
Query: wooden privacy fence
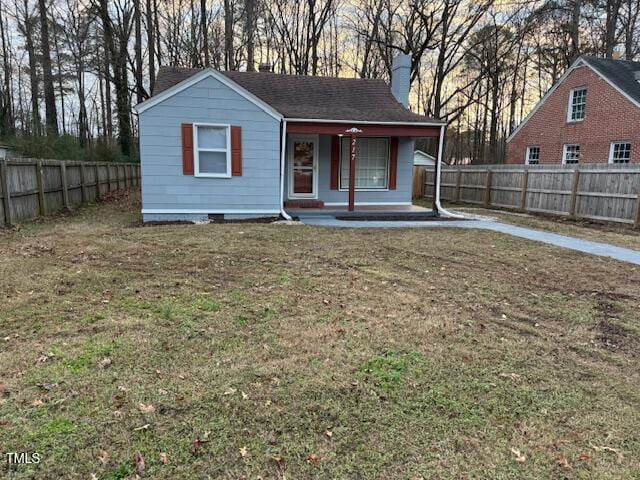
x: 29, y: 188
x: 599, y: 192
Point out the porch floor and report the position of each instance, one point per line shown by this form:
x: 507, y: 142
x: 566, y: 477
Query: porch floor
x: 363, y: 210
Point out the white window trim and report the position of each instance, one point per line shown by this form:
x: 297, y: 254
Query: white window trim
x: 315, y: 139
x: 368, y: 189
x: 570, y: 106
x: 611, y: 147
x: 564, y: 153
x: 196, y: 151
x: 526, y: 155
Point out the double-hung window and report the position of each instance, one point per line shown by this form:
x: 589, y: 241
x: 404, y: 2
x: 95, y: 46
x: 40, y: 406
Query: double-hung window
x: 620, y: 152
x: 571, y: 154
x: 577, y: 105
x: 372, y: 163
x: 212, y: 152
x: 533, y: 156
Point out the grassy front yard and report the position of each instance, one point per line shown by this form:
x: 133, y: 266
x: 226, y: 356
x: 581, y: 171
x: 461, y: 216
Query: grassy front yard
x: 246, y: 350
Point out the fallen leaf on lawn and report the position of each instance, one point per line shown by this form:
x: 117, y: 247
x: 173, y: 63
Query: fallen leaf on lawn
x: 584, y: 457
x: 139, y: 461
x: 243, y: 452
x: 245, y: 396
x: 267, y: 403
x: 609, y: 449
x: 105, y: 362
x: 147, y: 408
x: 520, y: 458
x: 329, y: 433
x: 562, y: 461
x: 103, y: 457
x: 195, y: 446
x: 164, y: 458
x: 229, y: 391
x: 313, y: 458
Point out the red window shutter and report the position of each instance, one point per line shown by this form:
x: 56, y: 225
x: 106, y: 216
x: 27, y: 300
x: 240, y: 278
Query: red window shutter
x: 335, y: 162
x: 187, y: 149
x: 393, y: 162
x: 236, y: 151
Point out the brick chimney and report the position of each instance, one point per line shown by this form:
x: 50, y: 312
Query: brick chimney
x: 265, y: 67
x: 400, y: 78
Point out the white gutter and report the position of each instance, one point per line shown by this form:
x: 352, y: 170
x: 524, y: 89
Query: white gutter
x: 438, y: 176
x: 283, y: 150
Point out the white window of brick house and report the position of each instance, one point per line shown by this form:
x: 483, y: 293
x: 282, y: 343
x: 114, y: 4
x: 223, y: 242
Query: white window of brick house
x: 577, y: 104
x: 532, y: 156
x: 571, y: 154
x: 620, y: 152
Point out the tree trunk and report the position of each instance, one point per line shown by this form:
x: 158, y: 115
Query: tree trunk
x: 119, y: 64
x: 151, y: 46
x: 140, y: 93
x: 204, y: 23
x: 33, y: 70
x: 228, y: 35
x: 250, y: 7
x: 8, y: 122
x: 63, y: 119
x: 47, y: 76
x: 611, y: 23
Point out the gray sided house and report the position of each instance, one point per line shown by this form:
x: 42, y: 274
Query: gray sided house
x: 252, y: 144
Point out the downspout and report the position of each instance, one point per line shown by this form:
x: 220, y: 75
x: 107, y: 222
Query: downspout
x: 438, y: 175
x: 283, y: 150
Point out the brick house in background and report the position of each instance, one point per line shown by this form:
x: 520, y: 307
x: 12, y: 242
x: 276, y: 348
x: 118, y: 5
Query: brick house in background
x: 591, y: 115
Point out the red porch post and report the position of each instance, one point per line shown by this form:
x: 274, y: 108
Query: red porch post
x: 352, y: 174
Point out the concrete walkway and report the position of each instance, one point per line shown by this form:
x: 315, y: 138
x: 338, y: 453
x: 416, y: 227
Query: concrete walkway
x: 563, y: 241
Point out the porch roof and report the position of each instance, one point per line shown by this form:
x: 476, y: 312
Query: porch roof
x: 370, y: 129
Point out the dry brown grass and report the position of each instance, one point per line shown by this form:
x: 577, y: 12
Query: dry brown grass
x: 301, y: 352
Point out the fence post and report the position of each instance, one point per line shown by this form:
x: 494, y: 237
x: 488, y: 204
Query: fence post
x: 97, y: 170
x: 523, y: 191
x: 458, y: 178
x: 574, y: 192
x: 65, y: 190
x: 636, y: 223
x: 42, y: 205
x: 487, y: 192
x: 108, y: 177
x: 6, y: 195
x: 83, y: 183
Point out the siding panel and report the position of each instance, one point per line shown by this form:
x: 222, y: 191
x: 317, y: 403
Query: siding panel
x: 163, y: 184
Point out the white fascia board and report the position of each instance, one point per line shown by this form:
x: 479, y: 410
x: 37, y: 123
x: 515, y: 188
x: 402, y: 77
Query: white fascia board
x: 192, y: 80
x: 580, y: 62
x: 365, y: 122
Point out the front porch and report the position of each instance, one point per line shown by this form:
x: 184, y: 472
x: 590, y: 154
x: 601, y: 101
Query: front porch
x: 377, y: 212
x: 338, y: 167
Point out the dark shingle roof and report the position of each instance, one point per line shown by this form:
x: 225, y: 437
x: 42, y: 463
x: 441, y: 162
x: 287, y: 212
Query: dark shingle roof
x: 311, y: 97
x: 620, y: 72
